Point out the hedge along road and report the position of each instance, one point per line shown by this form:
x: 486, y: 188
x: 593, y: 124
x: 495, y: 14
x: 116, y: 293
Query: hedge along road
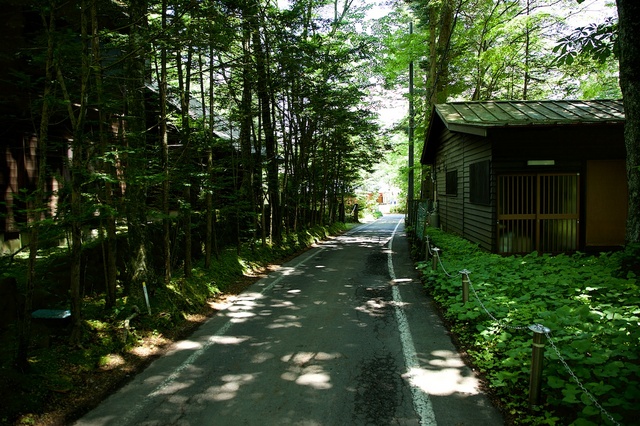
x: 341, y: 335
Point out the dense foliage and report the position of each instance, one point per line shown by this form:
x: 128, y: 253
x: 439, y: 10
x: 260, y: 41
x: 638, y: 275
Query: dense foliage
x: 590, y: 303
x: 187, y: 127
x: 475, y: 50
x: 65, y: 380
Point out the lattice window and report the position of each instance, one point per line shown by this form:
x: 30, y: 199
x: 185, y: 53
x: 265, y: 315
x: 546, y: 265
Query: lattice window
x: 538, y: 212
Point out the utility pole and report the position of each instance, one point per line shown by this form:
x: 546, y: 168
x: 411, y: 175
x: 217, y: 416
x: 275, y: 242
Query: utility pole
x: 411, y: 126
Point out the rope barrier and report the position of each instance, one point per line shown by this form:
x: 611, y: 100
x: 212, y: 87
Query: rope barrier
x: 538, y: 329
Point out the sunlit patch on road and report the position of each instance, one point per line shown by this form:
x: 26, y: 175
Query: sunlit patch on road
x: 283, y: 304
x: 229, y: 389
x: 261, y: 357
x: 442, y: 381
x: 304, y: 368
x: 228, y: 340
x: 326, y: 341
x: 285, y: 321
x: 315, y: 380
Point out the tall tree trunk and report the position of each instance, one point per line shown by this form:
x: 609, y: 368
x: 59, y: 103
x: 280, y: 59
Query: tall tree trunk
x: 433, y: 55
x: 77, y: 166
x: 326, y: 155
x: 629, y: 42
x: 135, y: 135
x: 184, y: 82
x: 211, y: 242
x: 246, y: 188
x: 207, y: 124
x: 441, y: 26
x: 164, y: 141
x: 77, y: 180
x: 260, y: 224
x: 108, y: 211
x: 269, y: 134
x: 210, y: 239
x: 24, y: 327
x: 527, y: 46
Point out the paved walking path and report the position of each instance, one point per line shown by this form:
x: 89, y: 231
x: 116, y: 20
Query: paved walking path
x: 341, y: 335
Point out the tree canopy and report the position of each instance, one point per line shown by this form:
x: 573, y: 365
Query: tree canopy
x: 191, y: 125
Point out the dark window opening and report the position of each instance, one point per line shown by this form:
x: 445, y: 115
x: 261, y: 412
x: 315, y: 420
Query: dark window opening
x: 451, y: 184
x: 480, y: 183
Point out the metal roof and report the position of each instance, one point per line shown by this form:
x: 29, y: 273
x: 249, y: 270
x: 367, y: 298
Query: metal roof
x: 479, y: 117
x: 476, y: 117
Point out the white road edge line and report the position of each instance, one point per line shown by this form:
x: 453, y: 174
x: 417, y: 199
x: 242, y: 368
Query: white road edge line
x: 421, y: 400
x: 194, y: 356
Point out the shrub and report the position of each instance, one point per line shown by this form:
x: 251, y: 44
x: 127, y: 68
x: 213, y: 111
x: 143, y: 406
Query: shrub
x: 592, y: 311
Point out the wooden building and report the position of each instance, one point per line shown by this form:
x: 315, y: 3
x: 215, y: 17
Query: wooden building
x: 21, y: 92
x: 522, y: 176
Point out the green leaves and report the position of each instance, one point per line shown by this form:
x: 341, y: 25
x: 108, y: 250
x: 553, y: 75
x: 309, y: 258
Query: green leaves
x: 597, y: 41
x: 591, y: 308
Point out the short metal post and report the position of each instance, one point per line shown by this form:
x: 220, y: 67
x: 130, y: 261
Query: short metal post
x: 537, y: 359
x: 434, y: 260
x: 465, y: 285
x: 427, y: 248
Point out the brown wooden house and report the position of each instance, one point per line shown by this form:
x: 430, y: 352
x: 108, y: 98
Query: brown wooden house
x: 522, y: 176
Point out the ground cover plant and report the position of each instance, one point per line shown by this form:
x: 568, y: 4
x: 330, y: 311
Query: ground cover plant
x: 591, y: 304
x: 63, y: 381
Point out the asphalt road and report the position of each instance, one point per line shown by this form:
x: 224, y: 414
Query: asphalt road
x: 341, y: 335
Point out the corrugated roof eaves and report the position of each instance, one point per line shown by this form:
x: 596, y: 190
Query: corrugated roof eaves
x: 605, y: 106
x: 570, y: 111
x: 518, y: 106
x: 535, y: 114
x: 446, y: 113
x: 545, y: 109
x: 467, y: 107
x: 573, y: 109
x: 489, y: 108
x: 513, y: 111
x: 591, y: 111
x: 604, y: 109
x: 530, y: 113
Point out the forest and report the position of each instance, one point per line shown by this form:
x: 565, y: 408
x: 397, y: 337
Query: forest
x: 187, y: 126
x: 146, y: 140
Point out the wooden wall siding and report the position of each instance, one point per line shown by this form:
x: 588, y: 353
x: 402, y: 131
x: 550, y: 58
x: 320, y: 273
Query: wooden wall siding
x: 479, y: 219
x: 9, y: 186
x: 18, y: 173
x: 457, y: 214
x: 449, y: 158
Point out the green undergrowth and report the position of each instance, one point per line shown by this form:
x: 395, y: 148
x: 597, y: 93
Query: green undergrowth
x: 590, y: 303
x: 60, y: 373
